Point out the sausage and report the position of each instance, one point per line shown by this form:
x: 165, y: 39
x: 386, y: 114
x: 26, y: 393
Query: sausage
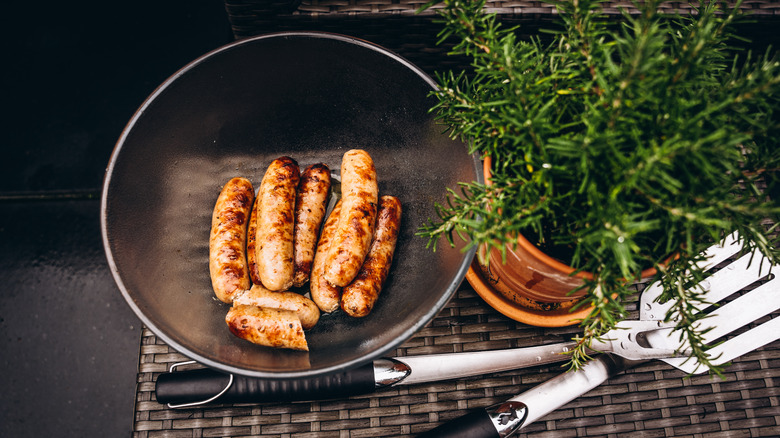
x: 275, y: 224
x: 324, y: 294
x: 357, y: 219
x: 227, y: 240
x: 251, y: 239
x: 277, y: 328
x: 358, y: 297
x: 310, y: 205
x: 307, y: 311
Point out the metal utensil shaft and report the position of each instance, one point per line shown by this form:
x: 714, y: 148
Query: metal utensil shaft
x: 435, y: 367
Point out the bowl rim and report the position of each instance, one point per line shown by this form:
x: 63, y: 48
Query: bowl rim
x: 453, y: 286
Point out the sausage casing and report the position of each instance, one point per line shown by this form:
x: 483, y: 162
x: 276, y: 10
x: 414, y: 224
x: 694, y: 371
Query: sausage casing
x: 227, y: 240
x: 275, y: 224
x: 357, y: 219
x: 324, y: 294
x: 359, y: 297
x: 276, y: 328
x: 310, y: 205
x: 259, y: 296
x: 251, y: 239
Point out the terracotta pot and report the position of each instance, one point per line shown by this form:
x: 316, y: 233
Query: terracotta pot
x: 519, y: 308
x: 531, y: 287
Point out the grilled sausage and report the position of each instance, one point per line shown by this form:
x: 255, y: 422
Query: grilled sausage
x: 310, y: 205
x: 324, y: 294
x: 307, y: 311
x: 357, y: 220
x: 251, y: 239
x: 275, y: 224
x: 358, y: 297
x: 269, y: 327
x: 227, y: 240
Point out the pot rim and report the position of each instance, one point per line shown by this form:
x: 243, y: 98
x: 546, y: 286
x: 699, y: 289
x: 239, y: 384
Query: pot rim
x: 519, y: 312
x: 534, y: 250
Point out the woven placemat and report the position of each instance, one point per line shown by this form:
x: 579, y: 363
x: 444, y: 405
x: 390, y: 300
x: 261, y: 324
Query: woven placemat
x: 395, y: 24
x: 244, y: 8
x: 653, y: 400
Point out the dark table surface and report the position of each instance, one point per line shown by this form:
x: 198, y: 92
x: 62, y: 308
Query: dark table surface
x: 76, y: 73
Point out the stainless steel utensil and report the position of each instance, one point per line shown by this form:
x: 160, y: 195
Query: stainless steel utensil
x: 646, y: 338
x: 506, y: 418
x: 200, y: 386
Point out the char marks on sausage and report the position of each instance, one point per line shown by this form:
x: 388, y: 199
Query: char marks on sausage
x: 324, y: 294
x: 359, y: 297
x: 357, y: 219
x: 310, y: 205
x: 259, y: 296
x: 277, y: 328
x: 227, y: 240
x: 275, y: 224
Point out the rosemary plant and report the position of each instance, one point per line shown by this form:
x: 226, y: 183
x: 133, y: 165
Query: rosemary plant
x: 625, y: 142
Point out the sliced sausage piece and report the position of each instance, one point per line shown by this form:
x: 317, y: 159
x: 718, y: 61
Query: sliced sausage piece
x: 275, y: 224
x: 357, y: 219
x: 358, y: 297
x: 277, y: 328
x: 324, y: 294
x: 227, y: 240
x: 251, y: 247
x: 310, y: 205
x: 259, y: 296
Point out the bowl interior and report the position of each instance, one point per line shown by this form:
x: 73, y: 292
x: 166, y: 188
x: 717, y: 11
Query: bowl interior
x: 230, y: 113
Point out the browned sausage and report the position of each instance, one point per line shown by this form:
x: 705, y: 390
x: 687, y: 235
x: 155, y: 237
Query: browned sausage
x: 358, y: 297
x: 275, y: 224
x: 310, y: 205
x: 277, y: 328
x: 324, y: 294
x: 357, y: 219
x: 251, y: 251
x: 227, y: 240
x: 307, y: 311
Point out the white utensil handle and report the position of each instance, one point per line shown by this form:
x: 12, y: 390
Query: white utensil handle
x: 504, y: 419
x: 551, y: 395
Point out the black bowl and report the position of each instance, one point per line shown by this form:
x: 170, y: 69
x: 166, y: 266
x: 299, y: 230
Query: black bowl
x: 311, y: 96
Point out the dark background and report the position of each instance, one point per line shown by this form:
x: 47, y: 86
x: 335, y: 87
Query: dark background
x: 73, y: 74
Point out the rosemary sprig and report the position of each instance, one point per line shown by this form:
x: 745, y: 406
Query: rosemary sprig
x: 632, y: 139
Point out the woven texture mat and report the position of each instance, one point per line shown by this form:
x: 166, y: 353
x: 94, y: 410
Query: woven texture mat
x: 654, y: 400
x: 245, y: 8
x: 396, y: 25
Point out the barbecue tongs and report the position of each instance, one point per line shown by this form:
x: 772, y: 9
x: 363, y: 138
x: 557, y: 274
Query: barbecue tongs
x: 649, y: 337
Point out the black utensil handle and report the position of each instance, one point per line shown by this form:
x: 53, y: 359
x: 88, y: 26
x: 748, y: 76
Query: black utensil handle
x: 194, y: 387
x: 506, y: 418
x: 475, y: 424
